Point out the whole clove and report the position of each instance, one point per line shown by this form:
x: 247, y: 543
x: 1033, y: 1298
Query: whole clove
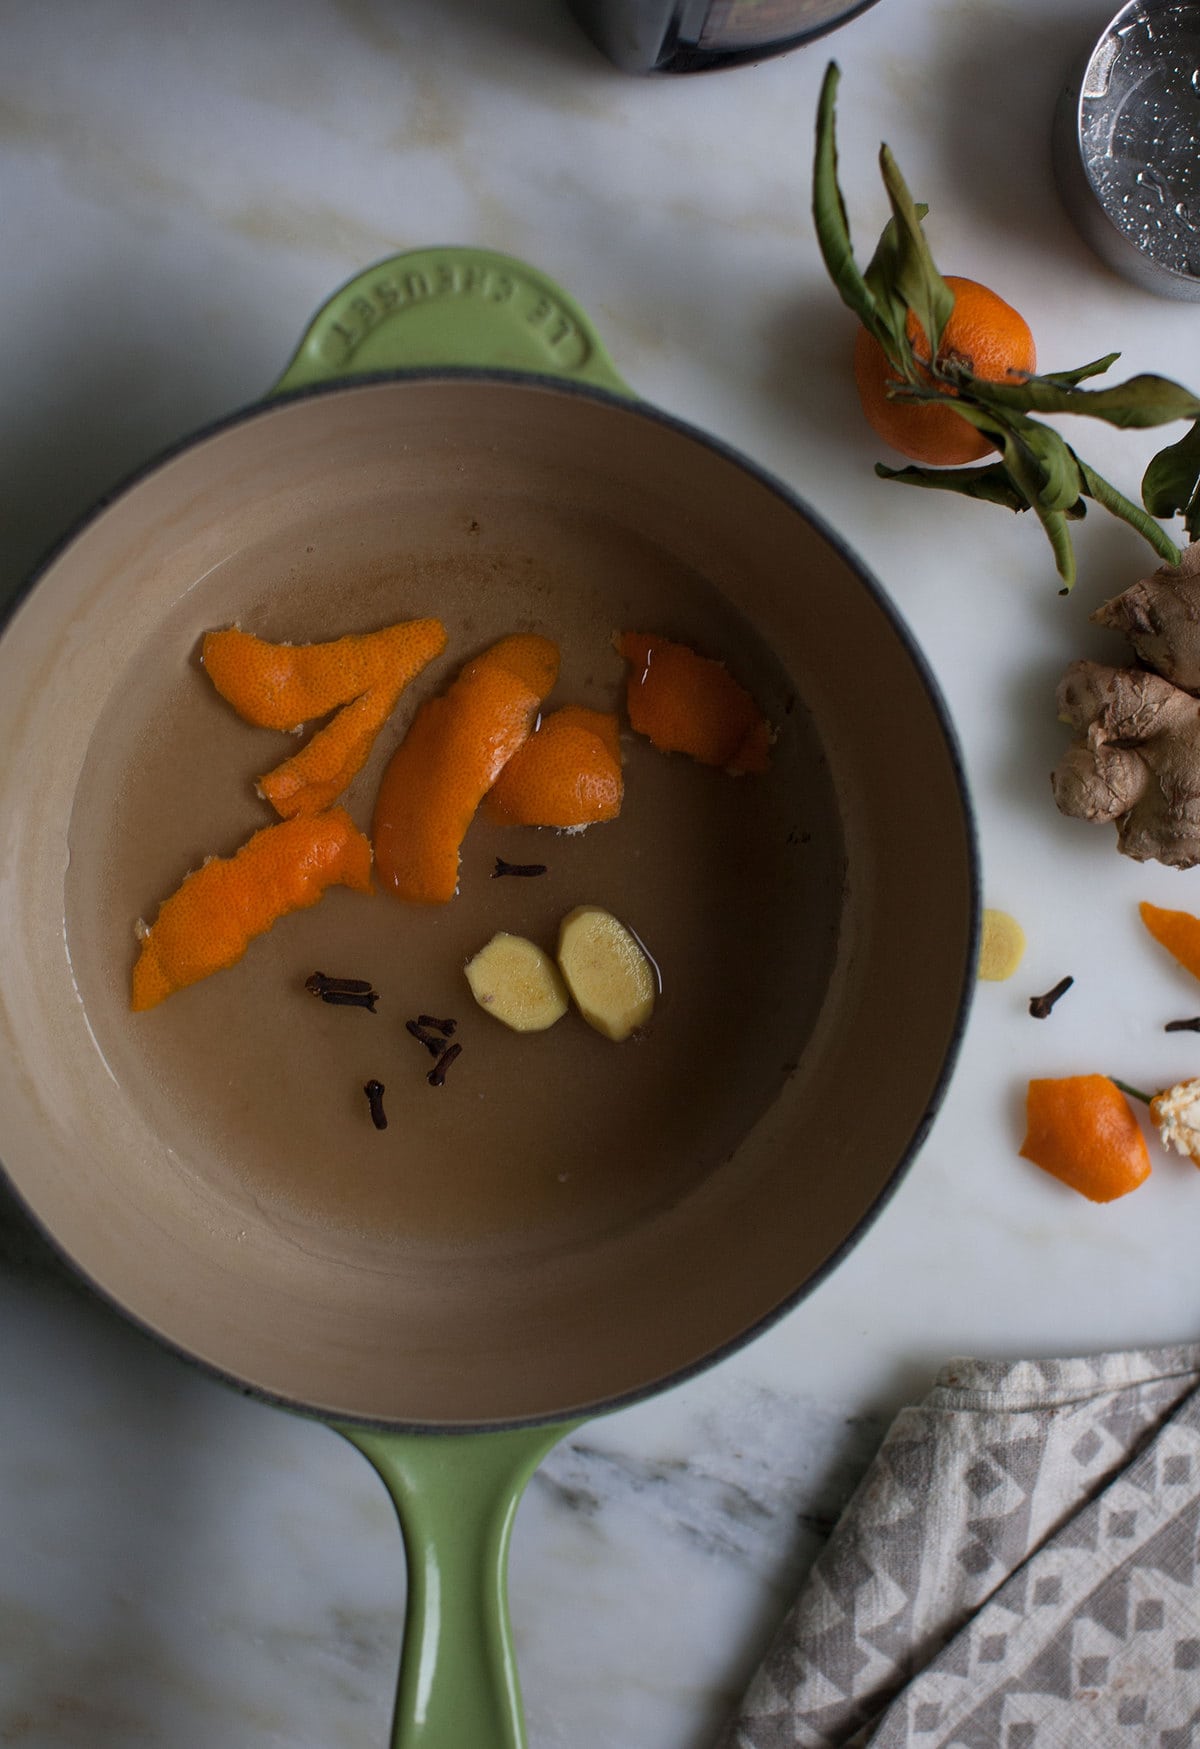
x: 351, y: 999
x: 342, y: 992
x: 435, y: 1046
x: 1040, y: 1006
x: 320, y: 983
x: 437, y: 1075
x: 374, y: 1091
x: 517, y: 868
x: 444, y: 1026
x: 1183, y: 1025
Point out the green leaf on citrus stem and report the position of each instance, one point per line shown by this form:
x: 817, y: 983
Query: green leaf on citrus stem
x: 829, y: 215
x: 1141, y: 402
x: 1069, y: 377
x: 1171, y: 483
x: 916, y: 276
x: 881, y: 274
x: 1062, y: 482
x: 1027, y: 473
x: 990, y: 483
x: 1097, y: 487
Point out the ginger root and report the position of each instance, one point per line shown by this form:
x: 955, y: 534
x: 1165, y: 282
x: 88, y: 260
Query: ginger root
x: 1160, y: 616
x: 1136, y: 762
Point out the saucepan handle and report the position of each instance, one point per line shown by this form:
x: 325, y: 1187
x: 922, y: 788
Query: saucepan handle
x: 451, y: 307
x: 456, y: 1496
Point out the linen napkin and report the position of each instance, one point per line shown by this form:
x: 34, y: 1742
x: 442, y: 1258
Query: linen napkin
x: 1019, y: 1569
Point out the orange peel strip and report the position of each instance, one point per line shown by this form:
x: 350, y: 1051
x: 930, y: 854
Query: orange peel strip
x: 456, y: 747
x: 212, y: 917
x: 317, y: 775
x: 1081, y: 1129
x: 688, y: 703
x: 1177, y: 931
x: 567, y: 775
x: 281, y: 686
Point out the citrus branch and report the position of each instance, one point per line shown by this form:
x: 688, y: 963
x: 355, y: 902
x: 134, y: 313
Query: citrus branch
x: 1037, y: 470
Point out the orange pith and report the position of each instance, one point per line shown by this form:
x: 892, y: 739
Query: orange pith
x: 687, y: 703
x: 280, y: 686
x: 209, y: 921
x: 987, y: 335
x: 456, y: 747
x: 567, y: 774
x: 1081, y: 1129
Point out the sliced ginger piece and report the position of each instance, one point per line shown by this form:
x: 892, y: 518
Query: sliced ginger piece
x: 282, y: 686
x: 606, y: 970
x: 213, y: 916
x: 455, y: 749
x: 567, y: 775
x: 688, y: 703
x: 1001, y: 946
x: 514, y: 981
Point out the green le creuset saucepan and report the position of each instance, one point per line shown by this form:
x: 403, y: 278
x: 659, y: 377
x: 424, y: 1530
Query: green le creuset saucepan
x: 567, y: 1224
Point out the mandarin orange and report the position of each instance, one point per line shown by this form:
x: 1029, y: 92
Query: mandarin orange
x: 985, y: 335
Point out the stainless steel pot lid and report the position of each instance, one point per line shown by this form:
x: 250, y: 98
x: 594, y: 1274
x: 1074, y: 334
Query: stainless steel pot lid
x: 1126, y: 151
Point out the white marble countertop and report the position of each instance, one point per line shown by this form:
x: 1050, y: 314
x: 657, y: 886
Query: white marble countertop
x: 181, y: 187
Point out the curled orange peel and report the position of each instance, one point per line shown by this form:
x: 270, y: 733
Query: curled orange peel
x: 456, y: 746
x: 316, y: 776
x: 567, y: 775
x: 1081, y: 1129
x: 282, y: 686
x: 212, y: 917
x: 1177, y: 931
x: 687, y: 703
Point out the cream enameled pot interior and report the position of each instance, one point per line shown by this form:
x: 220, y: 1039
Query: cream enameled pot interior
x: 567, y: 1221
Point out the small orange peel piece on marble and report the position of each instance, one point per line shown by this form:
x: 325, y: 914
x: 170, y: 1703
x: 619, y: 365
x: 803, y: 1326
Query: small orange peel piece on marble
x: 687, y: 703
x: 1082, y: 1130
x: 210, y: 920
x: 456, y: 747
x: 1177, y: 931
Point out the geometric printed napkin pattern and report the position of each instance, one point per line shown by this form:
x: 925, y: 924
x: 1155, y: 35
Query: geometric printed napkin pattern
x: 1019, y: 1569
